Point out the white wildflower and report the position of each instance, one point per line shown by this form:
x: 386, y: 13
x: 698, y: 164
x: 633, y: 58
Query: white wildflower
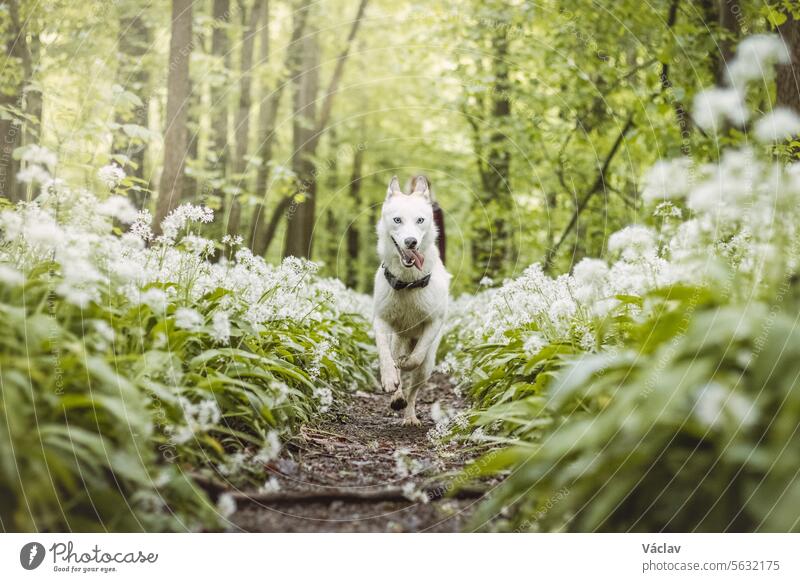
x: 179, y: 218
x: 667, y: 179
x: 633, y: 242
x: 141, y: 226
x: 270, y: 451
x: 234, y: 241
x: 411, y: 493
x: 778, y: 125
x: 39, y: 155
x: 325, y: 397
x: 200, y: 417
x: 33, y: 174
x: 755, y: 57
x: 716, y: 405
x: 187, y: 318
x: 405, y: 465
x: 111, y: 175
x: 533, y: 344
x: 713, y: 106
x: 221, y: 327
x: 10, y: 276
x: 198, y: 245
x: 120, y: 208
x: 226, y: 505
x: 155, y: 299
x: 271, y: 485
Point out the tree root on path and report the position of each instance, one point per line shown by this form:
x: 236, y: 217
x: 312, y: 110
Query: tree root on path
x: 330, y: 494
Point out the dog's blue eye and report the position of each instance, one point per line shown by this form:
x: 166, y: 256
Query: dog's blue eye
x: 397, y: 220
x: 420, y: 220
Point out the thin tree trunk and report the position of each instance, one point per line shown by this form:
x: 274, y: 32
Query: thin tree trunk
x: 10, y: 133
x: 491, y: 243
x: 10, y: 127
x: 132, y: 45
x: 264, y: 130
x: 268, y: 113
x: 24, y: 97
x: 597, y: 186
x: 300, y: 225
x: 730, y: 15
x: 353, y: 271
x: 175, y: 135
x: 219, y: 93
x: 242, y: 126
x: 306, y: 87
x: 788, y: 87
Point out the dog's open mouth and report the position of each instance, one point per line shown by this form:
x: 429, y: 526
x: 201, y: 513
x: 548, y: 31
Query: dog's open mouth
x: 409, y: 257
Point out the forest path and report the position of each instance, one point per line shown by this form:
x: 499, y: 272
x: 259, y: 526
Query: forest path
x: 346, y: 475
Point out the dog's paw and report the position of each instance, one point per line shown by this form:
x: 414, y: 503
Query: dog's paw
x: 411, y: 420
x: 410, y: 362
x: 390, y: 378
x: 398, y: 401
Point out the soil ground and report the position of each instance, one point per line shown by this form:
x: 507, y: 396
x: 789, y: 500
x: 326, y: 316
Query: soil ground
x: 355, y: 449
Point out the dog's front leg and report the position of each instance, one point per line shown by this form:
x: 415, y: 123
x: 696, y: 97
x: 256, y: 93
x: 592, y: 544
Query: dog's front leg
x: 390, y: 375
x: 426, y: 342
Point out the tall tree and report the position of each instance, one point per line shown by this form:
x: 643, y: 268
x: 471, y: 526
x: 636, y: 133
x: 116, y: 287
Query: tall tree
x: 133, y: 44
x: 22, y: 100
x: 304, y: 100
x: 788, y: 85
x: 299, y: 230
x: 730, y: 14
x: 353, y: 272
x: 242, y: 126
x: 261, y: 232
x: 491, y: 241
x: 220, y: 49
x: 175, y: 135
x: 10, y: 125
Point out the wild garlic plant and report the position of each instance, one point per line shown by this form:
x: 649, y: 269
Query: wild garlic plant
x: 167, y: 361
x: 656, y: 385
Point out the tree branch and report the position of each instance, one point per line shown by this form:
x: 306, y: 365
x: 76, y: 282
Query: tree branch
x: 338, y: 71
x: 596, y: 187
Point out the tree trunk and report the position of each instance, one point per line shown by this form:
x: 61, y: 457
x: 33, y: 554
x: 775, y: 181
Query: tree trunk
x: 264, y: 131
x: 23, y: 131
x: 788, y: 88
x: 353, y: 271
x: 175, y: 135
x: 300, y: 218
x: 10, y: 132
x: 10, y: 127
x: 268, y: 113
x: 491, y: 242
x: 730, y: 14
x: 300, y: 225
x: 242, y: 126
x: 132, y: 74
x: 220, y: 47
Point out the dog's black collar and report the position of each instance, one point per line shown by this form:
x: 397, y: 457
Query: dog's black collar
x: 398, y: 285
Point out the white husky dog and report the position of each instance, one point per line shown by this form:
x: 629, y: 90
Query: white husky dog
x: 411, y: 293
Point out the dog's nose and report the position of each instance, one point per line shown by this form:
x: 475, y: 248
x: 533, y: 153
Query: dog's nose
x: 410, y: 242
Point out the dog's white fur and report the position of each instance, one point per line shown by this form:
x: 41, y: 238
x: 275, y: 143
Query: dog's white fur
x: 408, y: 322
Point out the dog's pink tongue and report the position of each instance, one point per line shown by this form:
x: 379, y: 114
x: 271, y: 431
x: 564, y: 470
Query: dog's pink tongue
x: 418, y: 257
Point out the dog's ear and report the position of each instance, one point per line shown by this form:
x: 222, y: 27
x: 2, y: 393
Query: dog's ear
x: 394, y: 188
x: 421, y: 188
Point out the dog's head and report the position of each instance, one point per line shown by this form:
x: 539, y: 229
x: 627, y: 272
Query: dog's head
x: 406, y: 227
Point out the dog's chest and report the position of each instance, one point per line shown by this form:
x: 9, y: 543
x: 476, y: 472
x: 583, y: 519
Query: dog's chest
x: 406, y: 309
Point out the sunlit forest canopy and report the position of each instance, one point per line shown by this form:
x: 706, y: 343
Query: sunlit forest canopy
x: 534, y: 121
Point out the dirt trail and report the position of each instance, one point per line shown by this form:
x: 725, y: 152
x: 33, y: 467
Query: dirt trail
x: 355, y: 452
